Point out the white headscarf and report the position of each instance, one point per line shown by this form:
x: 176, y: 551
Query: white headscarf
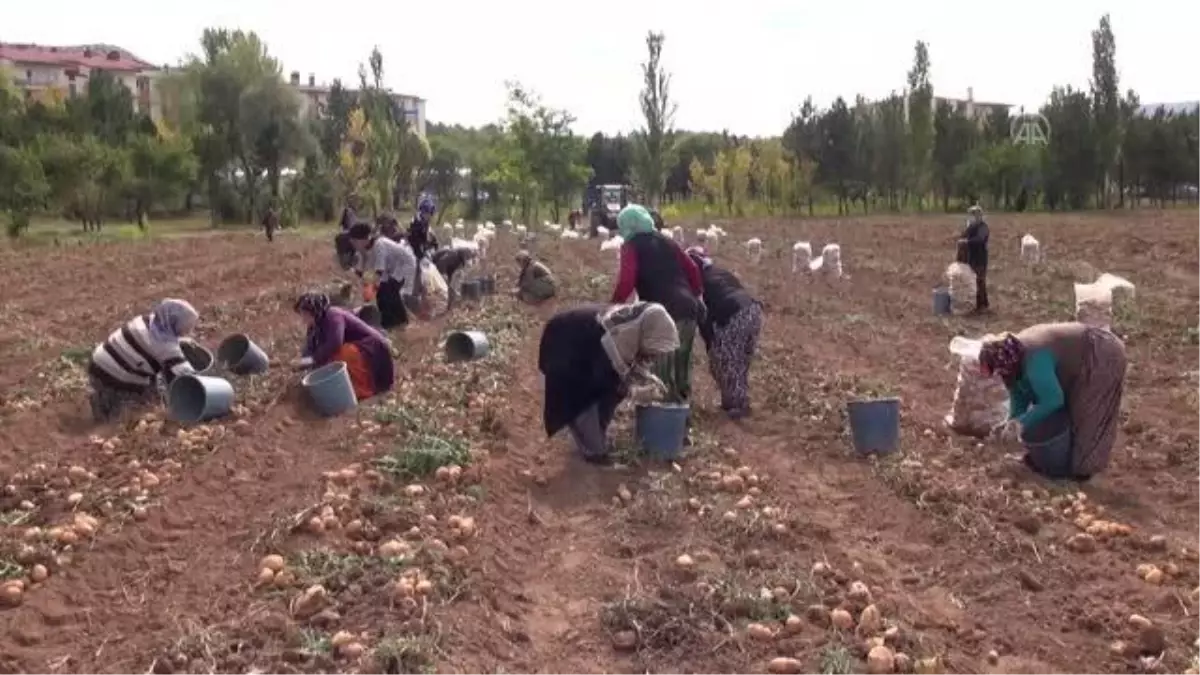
x: 169, y: 318
x: 637, y: 330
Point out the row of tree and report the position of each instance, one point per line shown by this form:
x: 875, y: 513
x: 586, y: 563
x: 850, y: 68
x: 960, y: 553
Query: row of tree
x: 235, y: 137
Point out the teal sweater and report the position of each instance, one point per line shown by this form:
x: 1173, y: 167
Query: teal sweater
x: 1036, y: 395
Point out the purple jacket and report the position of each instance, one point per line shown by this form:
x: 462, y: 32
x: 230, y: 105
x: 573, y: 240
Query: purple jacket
x: 338, y: 327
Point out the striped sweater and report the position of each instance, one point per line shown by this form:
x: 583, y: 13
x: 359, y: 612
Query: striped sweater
x: 131, y: 358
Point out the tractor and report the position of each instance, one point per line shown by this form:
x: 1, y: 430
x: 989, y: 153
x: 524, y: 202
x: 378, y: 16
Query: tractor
x: 602, y: 203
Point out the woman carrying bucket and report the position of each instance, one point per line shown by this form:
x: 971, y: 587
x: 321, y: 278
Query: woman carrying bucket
x: 335, y: 334
x: 124, y: 369
x: 535, y: 282
x: 1049, y: 368
x: 590, y: 357
x: 730, y: 329
x: 658, y: 269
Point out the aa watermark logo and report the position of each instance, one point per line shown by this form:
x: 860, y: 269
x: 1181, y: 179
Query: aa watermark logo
x: 1030, y: 129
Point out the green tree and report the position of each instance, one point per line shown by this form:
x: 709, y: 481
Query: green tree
x: 656, y: 140
x: 1106, y: 106
x: 920, y: 122
x: 25, y: 186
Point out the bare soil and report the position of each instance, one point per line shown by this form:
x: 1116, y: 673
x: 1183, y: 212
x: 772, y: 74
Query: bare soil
x: 560, y: 566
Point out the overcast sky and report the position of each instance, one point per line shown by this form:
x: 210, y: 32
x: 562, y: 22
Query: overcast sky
x: 742, y: 65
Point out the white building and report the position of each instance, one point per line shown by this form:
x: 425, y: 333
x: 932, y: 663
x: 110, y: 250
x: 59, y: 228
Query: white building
x: 63, y: 72
x: 313, y: 98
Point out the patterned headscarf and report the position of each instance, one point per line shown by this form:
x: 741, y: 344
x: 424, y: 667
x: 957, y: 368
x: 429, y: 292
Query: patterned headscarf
x: 636, y: 331
x: 426, y: 207
x: 1002, y: 357
x: 314, y: 303
x: 700, y: 256
x: 634, y: 219
x: 170, y: 317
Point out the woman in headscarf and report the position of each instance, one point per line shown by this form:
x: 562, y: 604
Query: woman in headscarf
x: 335, y: 334
x: 590, y: 356
x: 126, y: 367
x: 420, y: 240
x: 449, y: 261
x: 396, y: 267
x: 730, y: 328
x: 535, y: 282
x: 1054, y: 368
x: 660, y: 272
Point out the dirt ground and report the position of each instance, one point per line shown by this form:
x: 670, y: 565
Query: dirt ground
x: 153, y: 537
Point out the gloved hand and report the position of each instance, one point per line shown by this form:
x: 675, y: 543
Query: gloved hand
x: 1007, y: 432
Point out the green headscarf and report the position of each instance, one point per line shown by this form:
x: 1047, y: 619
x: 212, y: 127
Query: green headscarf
x: 634, y: 219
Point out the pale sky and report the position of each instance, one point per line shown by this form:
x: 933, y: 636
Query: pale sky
x: 743, y: 65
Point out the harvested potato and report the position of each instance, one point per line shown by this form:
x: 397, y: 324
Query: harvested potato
x: 685, y: 562
x: 881, y: 660
x: 341, y: 639
x: 38, y: 574
x: 758, y: 631
x: 870, y: 621
x: 1082, y: 543
x: 266, y: 575
x: 859, y: 592
x: 733, y: 483
x: 792, y: 624
x: 1155, y: 577
x: 841, y: 619
x: 783, y: 665
x: 11, y: 595
x: 273, y: 562
x: 353, y: 650
x: 393, y: 549
x: 821, y: 569
x: 1138, y: 621
x: 1144, y: 569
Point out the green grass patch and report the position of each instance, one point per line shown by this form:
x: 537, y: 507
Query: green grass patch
x: 405, y: 654
x: 10, y: 569
x: 422, y: 455
x: 836, y: 660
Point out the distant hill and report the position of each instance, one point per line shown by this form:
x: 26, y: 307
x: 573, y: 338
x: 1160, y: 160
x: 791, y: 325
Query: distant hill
x: 1179, y: 108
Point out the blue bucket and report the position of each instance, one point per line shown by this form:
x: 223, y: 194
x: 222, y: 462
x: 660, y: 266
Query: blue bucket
x: 660, y: 429
x: 466, y: 345
x: 330, y: 389
x: 241, y: 356
x: 1049, y: 445
x: 941, y: 302
x: 197, y: 356
x: 875, y: 425
x: 196, y: 398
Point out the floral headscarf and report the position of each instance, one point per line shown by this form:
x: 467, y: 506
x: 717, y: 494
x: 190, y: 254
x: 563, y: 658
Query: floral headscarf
x: 1002, y: 357
x: 700, y: 256
x: 313, y: 303
x: 170, y: 318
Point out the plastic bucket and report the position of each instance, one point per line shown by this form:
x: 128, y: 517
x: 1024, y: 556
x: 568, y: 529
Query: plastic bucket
x: 661, y: 428
x: 196, y: 398
x: 330, y: 389
x: 466, y: 345
x: 241, y: 356
x: 197, y: 356
x: 941, y: 302
x: 875, y: 425
x: 487, y: 285
x: 370, y: 315
x: 471, y: 290
x: 1049, y: 445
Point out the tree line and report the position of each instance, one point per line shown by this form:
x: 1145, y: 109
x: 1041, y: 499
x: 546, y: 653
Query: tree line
x: 234, y: 139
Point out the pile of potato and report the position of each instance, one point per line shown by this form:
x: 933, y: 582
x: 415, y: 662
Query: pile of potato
x: 980, y: 402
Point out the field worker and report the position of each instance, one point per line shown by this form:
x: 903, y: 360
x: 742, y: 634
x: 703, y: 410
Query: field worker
x: 590, y: 356
x: 975, y: 240
x: 730, y: 327
x: 535, y: 282
x: 420, y: 239
x: 449, y: 261
x: 396, y: 266
x: 349, y: 217
x: 335, y: 334
x: 659, y: 224
x: 125, y: 368
x: 658, y: 269
x: 271, y: 222
x: 344, y: 251
x: 1054, y: 367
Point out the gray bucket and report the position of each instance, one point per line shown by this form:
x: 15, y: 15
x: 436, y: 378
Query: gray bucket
x: 471, y: 290
x: 196, y: 398
x: 330, y: 389
x: 941, y: 302
x: 487, y: 285
x: 241, y: 356
x: 660, y: 429
x: 197, y: 356
x: 875, y: 425
x: 466, y: 345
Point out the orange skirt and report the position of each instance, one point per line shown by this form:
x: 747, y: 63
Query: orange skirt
x: 358, y: 369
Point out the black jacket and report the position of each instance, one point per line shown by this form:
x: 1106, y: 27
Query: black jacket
x: 976, y: 235
x: 577, y: 370
x: 661, y: 278
x: 724, y: 296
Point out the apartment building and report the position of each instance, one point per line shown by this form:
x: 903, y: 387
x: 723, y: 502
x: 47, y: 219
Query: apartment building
x: 978, y: 111
x: 314, y: 97
x: 51, y: 71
